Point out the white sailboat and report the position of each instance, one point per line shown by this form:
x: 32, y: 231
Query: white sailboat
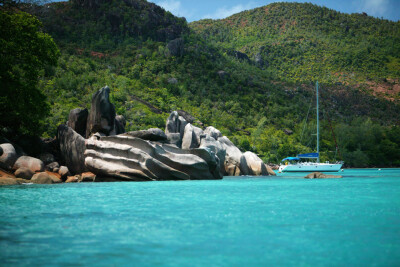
x: 294, y: 164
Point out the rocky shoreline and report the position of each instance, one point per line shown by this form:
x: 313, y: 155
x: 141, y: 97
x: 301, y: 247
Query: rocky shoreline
x: 94, y: 147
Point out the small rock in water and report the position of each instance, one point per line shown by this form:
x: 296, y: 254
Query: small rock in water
x: 319, y: 175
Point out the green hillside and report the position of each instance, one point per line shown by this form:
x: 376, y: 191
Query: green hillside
x: 304, y: 42
x: 133, y: 46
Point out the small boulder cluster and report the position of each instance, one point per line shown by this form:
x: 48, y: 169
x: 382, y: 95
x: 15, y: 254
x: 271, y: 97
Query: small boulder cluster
x: 18, y: 168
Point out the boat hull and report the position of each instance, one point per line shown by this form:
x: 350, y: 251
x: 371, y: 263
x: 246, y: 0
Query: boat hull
x: 311, y: 167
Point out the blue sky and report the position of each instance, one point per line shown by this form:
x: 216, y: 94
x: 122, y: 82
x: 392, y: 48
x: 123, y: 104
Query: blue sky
x: 216, y: 9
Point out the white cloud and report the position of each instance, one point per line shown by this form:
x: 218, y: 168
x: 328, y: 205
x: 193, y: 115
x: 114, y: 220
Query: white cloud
x: 224, y: 12
x: 375, y: 7
x: 175, y: 7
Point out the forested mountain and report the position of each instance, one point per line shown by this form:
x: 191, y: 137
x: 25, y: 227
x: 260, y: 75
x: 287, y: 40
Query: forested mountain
x: 304, y: 42
x: 251, y: 75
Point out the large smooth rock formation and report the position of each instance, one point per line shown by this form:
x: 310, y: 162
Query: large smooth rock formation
x: 231, y: 150
x: 191, y: 137
x: 233, y: 157
x: 8, y: 156
x: 119, y: 125
x: 134, y: 159
x: 33, y: 164
x: 72, y: 147
x: 152, y: 134
x: 175, y: 124
x: 231, y: 167
x: 253, y: 164
x: 77, y: 120
x: 214, y: 133
x: 217, y: 148
x: 174, y: 139
x: 102, y: 113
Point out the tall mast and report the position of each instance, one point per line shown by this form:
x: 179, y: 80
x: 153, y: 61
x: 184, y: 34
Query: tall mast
x: 317, y: 125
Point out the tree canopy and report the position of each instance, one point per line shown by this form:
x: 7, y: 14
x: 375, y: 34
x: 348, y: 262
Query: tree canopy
x: 25, y: 52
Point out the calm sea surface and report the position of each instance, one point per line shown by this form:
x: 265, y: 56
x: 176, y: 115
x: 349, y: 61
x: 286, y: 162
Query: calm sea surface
x: 280, y: 221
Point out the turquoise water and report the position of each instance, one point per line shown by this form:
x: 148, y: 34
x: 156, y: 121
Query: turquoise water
x: 280, y: 221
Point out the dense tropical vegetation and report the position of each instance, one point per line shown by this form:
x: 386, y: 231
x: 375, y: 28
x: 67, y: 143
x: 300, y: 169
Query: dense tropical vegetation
x: 305, y: 42
x: 260, y: 102
x: 25, y: 51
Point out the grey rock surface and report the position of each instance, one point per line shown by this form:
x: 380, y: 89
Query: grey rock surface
x: 217, y: 148
x: 8, y: 157
x: 176, y: 124
x: 152, y: 134
x: 231, y: 167
x: 253, y: 164
x: 233, y: 156
x: 119, y: 124
x: 191, y: 137
x: 214, y: 133
x: 134, y: 159
x: 102, y: 113
x: 72, y: 147
x: 174, y: 139
x: 77, y: 120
